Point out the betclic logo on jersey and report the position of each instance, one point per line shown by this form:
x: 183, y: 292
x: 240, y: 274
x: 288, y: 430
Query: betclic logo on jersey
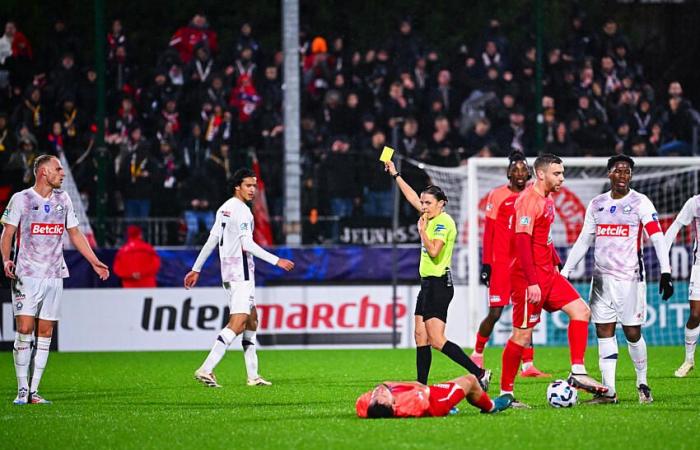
x: 47, y: 229
x: 613, y: 230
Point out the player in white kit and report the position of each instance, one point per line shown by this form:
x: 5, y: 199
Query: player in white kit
x: 689, y: 214
x: 39, y: 216
x: 615, y: 221
x: 232, y: 233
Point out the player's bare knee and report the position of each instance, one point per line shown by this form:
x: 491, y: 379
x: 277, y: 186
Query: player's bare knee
x: 632, y: 334
x: 421, y: 338
x: 494, y: 315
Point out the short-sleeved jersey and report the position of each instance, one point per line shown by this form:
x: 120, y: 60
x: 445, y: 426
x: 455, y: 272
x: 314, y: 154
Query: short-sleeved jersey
x: 233, y: 221
x: 618, y: 226
x: 440, y: 227
x: 40, y: 224
x: 413, y: 400
x: 691, y: 214
x: 500, y: 207
x: 534, y: 215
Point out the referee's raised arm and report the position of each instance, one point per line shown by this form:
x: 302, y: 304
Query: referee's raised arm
x: 407, y: 190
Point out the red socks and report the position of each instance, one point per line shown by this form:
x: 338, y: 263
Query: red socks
x: 578, y: 339
x: 484, y: 403
x: 480, y: 343
x: 528, y: 354
x: 511, y: 363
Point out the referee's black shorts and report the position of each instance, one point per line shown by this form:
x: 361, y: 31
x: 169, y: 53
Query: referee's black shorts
x: 434, y: 297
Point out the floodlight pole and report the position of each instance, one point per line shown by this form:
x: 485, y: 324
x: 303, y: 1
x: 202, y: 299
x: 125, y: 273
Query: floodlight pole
x: 99, y: 145
x: 292, y: 158
x: 539, y: 125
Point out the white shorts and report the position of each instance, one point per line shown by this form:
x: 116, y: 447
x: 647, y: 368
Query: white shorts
x: 694, y: 284
x: 241, y: 296
x: 622, y: 301
x: 37, y: 297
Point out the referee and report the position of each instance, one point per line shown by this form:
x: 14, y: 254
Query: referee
x: 437, y: 232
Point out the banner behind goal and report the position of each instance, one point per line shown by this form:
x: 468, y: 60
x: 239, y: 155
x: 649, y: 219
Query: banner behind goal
x: 668, y: 182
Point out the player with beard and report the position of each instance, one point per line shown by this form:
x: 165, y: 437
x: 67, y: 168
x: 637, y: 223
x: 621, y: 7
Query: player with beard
x: 498, y: 257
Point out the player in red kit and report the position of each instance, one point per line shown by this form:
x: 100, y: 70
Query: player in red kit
x: 537, y: 283
x: 497, y: 257
x: 413, y: 399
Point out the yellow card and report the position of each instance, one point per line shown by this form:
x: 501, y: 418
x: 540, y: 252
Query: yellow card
x: 387, y: 153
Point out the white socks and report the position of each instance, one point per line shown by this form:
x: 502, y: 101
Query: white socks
x: 223, y: 340
x: 22, y: 353
x: 638, y: 353
x: 41, y: 355
x: 250, y: 354
x: 607, y: 361
x: 691, y: 339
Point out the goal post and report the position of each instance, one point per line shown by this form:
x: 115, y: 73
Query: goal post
x: 667, y: 181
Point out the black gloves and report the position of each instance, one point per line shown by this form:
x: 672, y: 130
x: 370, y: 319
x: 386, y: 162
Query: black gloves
x: 485, y: 274
x: 666, y: 286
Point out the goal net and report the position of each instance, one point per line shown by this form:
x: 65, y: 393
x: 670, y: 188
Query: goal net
x: 668, y: 182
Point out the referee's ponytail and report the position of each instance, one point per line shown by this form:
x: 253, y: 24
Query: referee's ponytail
x: 436, y: 192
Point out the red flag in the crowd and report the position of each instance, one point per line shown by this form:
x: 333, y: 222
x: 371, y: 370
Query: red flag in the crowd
x: 262, y: 234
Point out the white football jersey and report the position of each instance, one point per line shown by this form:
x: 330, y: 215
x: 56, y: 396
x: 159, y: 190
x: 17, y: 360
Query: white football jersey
x: 691, y: 214
x: 40, y: 225
x: 234, y: 220
x: 618, y: 226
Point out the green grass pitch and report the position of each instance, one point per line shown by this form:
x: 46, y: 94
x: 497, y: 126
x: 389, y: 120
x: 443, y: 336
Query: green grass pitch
x: 150, y: 400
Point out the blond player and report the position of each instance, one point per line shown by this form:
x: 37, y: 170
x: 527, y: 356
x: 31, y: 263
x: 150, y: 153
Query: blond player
x: 232, y: 233
x: 42, y: 214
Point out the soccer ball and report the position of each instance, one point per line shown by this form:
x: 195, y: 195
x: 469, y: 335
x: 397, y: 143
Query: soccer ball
x: 560, y: 394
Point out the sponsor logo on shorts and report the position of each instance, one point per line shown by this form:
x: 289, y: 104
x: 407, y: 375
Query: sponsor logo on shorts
x: 613, y: 230
x: 52, y: 229
x: 494, y: 298
x: 534, y: 317
x: 19, y: 306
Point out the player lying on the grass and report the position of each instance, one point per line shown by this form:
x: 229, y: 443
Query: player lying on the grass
x: 689, y: 214
x: 537, y: 284
x: 497, y: 257
x: 614, y: 222
x: 413, y: 399
x: 233, y: 234
x: 437, y: 232
x: 40, y: 215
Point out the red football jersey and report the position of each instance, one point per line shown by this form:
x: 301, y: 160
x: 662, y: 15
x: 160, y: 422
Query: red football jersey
x: 416, y: 400
x: 534, y: 215
x: 500, y: 208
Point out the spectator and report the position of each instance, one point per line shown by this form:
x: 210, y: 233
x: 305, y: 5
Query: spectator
x: 115, y: 38
x: 342, y: 181
x: 480, y: 140
x: 514, y: 136
x: 136, y: 262
x: 8, y: 142
x: 136, y: 175
x: 377, y: 198
x: 195, y: 33
x: 405, y: 47
x: 199, y: 195
x: 20, y: 167
x: 31, y: 113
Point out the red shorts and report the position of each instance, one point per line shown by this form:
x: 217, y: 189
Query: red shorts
x: 444, y: 397
x: 557, y: 292
x: 499, y: 286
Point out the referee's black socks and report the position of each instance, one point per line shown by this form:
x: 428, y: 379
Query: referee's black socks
x: 456, y: 354
x: 424, y: 358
